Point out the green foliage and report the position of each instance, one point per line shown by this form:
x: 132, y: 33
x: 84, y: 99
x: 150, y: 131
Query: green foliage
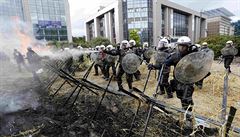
x: 216, y: 49
x: 57, y: 44
x: 80, y: 41
x: 133, y: 35
x: 217, y: 42
x: 237, y: 27
x: 99, y: 41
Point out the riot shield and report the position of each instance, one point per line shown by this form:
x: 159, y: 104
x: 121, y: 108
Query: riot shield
x: 130, y: 63
x: 158, y: 58
x: 95, y: 56
x: 194, y: 67
x: 111, y: 59
x: 229, y: 51
x: 148, y: 53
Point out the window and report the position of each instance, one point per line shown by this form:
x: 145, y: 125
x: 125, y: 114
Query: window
x: 40, y: 16
x: 45, y: 10
x: 39, y: 9
x: 39, y: 37
x: 33, y: 8
x: 39, y: 2
x: 31, y: 2
x: 62, y: 32
x: 51, y: 11
x: 46, y: 17
x: 180, y: 24
x: 63, y: 38
x: 139, y: 16
x: 34, y: 16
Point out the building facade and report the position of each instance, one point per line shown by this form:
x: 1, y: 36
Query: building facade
x: 106, y: 23
x: 49, y: 19
x: 11, y: 8
x: 151, y: 18
x: 219, y: 22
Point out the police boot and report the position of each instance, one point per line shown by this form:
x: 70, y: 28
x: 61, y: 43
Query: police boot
x: 162, y: 91
x: 229, y: 70
x: 120, y: 88
x: 169, y: 92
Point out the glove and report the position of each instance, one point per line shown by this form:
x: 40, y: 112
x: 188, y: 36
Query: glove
x: 151, y: 66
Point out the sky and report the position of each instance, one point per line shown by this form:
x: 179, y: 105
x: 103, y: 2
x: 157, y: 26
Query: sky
x: 80, y: 10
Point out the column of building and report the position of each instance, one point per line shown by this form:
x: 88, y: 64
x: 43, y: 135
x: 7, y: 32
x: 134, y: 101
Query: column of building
x: 96, y: 27
x: 110, y: 16
x: 191, y: 29
x: 157, y: 27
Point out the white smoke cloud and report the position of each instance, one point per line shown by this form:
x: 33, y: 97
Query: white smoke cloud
x: 15, y: 93
x: 16, y: 88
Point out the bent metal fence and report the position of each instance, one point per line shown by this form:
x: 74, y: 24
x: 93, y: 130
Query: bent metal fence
x: 152, y: 102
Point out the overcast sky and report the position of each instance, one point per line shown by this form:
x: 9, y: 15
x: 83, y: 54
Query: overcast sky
x: 81, y: 9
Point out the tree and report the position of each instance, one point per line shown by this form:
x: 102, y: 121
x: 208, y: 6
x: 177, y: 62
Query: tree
x: 99, y: 41
x: 80, y: 41
x: 237, y: 27
x: 133, y: 34
x: 57, y: 44
x: 217, y: 42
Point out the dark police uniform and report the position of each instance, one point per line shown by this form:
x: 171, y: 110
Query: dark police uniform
x: 129, y: 77
x: 184, y: 91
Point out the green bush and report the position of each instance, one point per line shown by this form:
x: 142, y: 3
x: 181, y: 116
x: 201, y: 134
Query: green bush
x: 99, y: 41
x: 216, y: 49
x: 80, y: 41
x: 217, y: 42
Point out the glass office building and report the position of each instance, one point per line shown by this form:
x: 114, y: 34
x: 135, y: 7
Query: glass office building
x: 49, y: 19
x: 11, y: 8
x: 180, y: 24
x: 152, y: 19
x: 139, y: 17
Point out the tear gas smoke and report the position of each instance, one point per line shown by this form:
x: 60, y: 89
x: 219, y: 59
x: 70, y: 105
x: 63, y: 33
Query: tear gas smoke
x: 64, y: 54
x: 15, y: 88
x: 12, y: 101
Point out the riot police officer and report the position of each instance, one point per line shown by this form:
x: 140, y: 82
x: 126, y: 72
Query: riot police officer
x: 164, y: 85
x: 98, y: 61
x: 228, y: 58
x: 102, y: 57
x: 138, y: 52
x: 184, y: 91
x: 145, y: 49
x: 110, y: 63
x: 124, y: 48
x: 204, y: 47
